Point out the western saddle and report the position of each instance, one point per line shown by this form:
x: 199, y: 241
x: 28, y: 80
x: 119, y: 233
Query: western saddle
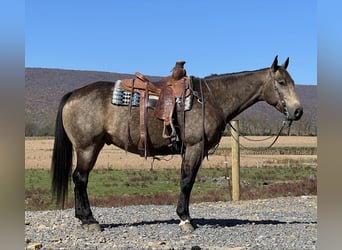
x: 167, y: 90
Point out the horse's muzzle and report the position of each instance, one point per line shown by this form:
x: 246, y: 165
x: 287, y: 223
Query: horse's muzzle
x: 298, y: 113
x: 295, y: 114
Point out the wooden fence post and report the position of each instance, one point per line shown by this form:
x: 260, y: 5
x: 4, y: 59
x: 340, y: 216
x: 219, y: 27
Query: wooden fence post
x: 235, y: 160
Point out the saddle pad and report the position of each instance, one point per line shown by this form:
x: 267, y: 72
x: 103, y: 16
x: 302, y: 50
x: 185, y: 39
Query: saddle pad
x: 122, y: 97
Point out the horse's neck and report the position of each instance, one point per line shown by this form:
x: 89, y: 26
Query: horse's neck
x: 234, y: 93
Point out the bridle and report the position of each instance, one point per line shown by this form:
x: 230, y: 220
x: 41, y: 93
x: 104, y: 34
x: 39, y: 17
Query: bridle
x: 283, y: 103
x: 285, y: 122
x: 282, y: 100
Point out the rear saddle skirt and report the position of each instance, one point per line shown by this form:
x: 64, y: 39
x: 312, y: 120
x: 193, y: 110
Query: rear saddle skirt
x: 163, y: 97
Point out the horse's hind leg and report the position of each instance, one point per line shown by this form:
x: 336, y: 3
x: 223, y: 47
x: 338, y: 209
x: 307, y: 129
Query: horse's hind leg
x: 86, y: 159
x: 190, y: 165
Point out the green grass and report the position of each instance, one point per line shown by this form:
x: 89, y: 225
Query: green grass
x: 118, y: 182
x: 128, y: 187
x: 259, y: 176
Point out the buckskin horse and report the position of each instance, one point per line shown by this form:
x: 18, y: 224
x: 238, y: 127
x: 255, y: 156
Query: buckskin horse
x: 86, y: 120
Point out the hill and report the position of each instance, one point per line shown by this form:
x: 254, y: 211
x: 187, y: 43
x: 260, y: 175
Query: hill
x: 45, y: 87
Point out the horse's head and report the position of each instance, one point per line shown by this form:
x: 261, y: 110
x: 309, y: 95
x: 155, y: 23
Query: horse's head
x: 280, y: 92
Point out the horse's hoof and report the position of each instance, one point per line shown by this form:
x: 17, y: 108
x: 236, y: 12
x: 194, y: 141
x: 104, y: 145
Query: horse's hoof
x: 92, y: 227
x: 186, y: 226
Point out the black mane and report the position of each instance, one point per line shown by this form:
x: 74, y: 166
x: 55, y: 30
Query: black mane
x: 212, y: 76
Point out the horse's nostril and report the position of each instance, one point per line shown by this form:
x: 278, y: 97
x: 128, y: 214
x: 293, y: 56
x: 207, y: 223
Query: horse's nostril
x: 298, y: 113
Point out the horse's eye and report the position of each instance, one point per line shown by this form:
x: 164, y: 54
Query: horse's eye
x: 282, y: 82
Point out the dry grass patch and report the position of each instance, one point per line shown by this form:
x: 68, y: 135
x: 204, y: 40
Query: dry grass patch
x: 38, y: 153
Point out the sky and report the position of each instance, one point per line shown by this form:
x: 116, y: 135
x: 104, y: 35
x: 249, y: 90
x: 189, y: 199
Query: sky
x: 213, y: 37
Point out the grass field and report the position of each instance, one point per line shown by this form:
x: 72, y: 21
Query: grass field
x: 135, y: 187
x: 288, y: 169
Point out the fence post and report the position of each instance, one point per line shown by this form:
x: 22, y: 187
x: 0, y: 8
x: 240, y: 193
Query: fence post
x: 235, y: 160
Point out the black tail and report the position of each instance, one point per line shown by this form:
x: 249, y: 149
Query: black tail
x: 61, y: 165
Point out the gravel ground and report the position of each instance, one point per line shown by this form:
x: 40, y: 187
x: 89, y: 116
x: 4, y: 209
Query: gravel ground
x: 280, y: 223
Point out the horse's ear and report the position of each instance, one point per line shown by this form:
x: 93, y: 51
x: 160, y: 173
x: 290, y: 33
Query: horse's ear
x: 275, y: 66
x: 286, y: 63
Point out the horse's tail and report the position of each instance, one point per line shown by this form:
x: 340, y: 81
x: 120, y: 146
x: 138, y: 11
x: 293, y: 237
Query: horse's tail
x: 61, y: 164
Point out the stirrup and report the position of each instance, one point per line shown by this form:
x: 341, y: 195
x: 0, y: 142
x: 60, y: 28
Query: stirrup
x: 173, y: 133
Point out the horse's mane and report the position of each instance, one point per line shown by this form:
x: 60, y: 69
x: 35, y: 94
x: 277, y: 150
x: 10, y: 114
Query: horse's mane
x: 213, y: 76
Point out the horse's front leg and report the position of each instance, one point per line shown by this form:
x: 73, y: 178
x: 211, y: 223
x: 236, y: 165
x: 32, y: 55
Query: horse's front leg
x: 190, y: 165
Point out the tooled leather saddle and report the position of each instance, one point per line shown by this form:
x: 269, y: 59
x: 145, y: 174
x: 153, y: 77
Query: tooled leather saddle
x: 170, y: 88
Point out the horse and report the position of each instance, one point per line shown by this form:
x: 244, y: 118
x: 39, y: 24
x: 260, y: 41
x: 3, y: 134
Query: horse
x: 87, y: 120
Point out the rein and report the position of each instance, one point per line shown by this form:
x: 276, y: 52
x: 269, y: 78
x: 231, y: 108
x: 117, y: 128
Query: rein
x: 267, y: 138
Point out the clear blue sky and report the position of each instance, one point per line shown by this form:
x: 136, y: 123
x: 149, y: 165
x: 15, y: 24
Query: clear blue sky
x: 217, y: 36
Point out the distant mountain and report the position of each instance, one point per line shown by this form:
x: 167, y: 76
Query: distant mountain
x: 45, y: 87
